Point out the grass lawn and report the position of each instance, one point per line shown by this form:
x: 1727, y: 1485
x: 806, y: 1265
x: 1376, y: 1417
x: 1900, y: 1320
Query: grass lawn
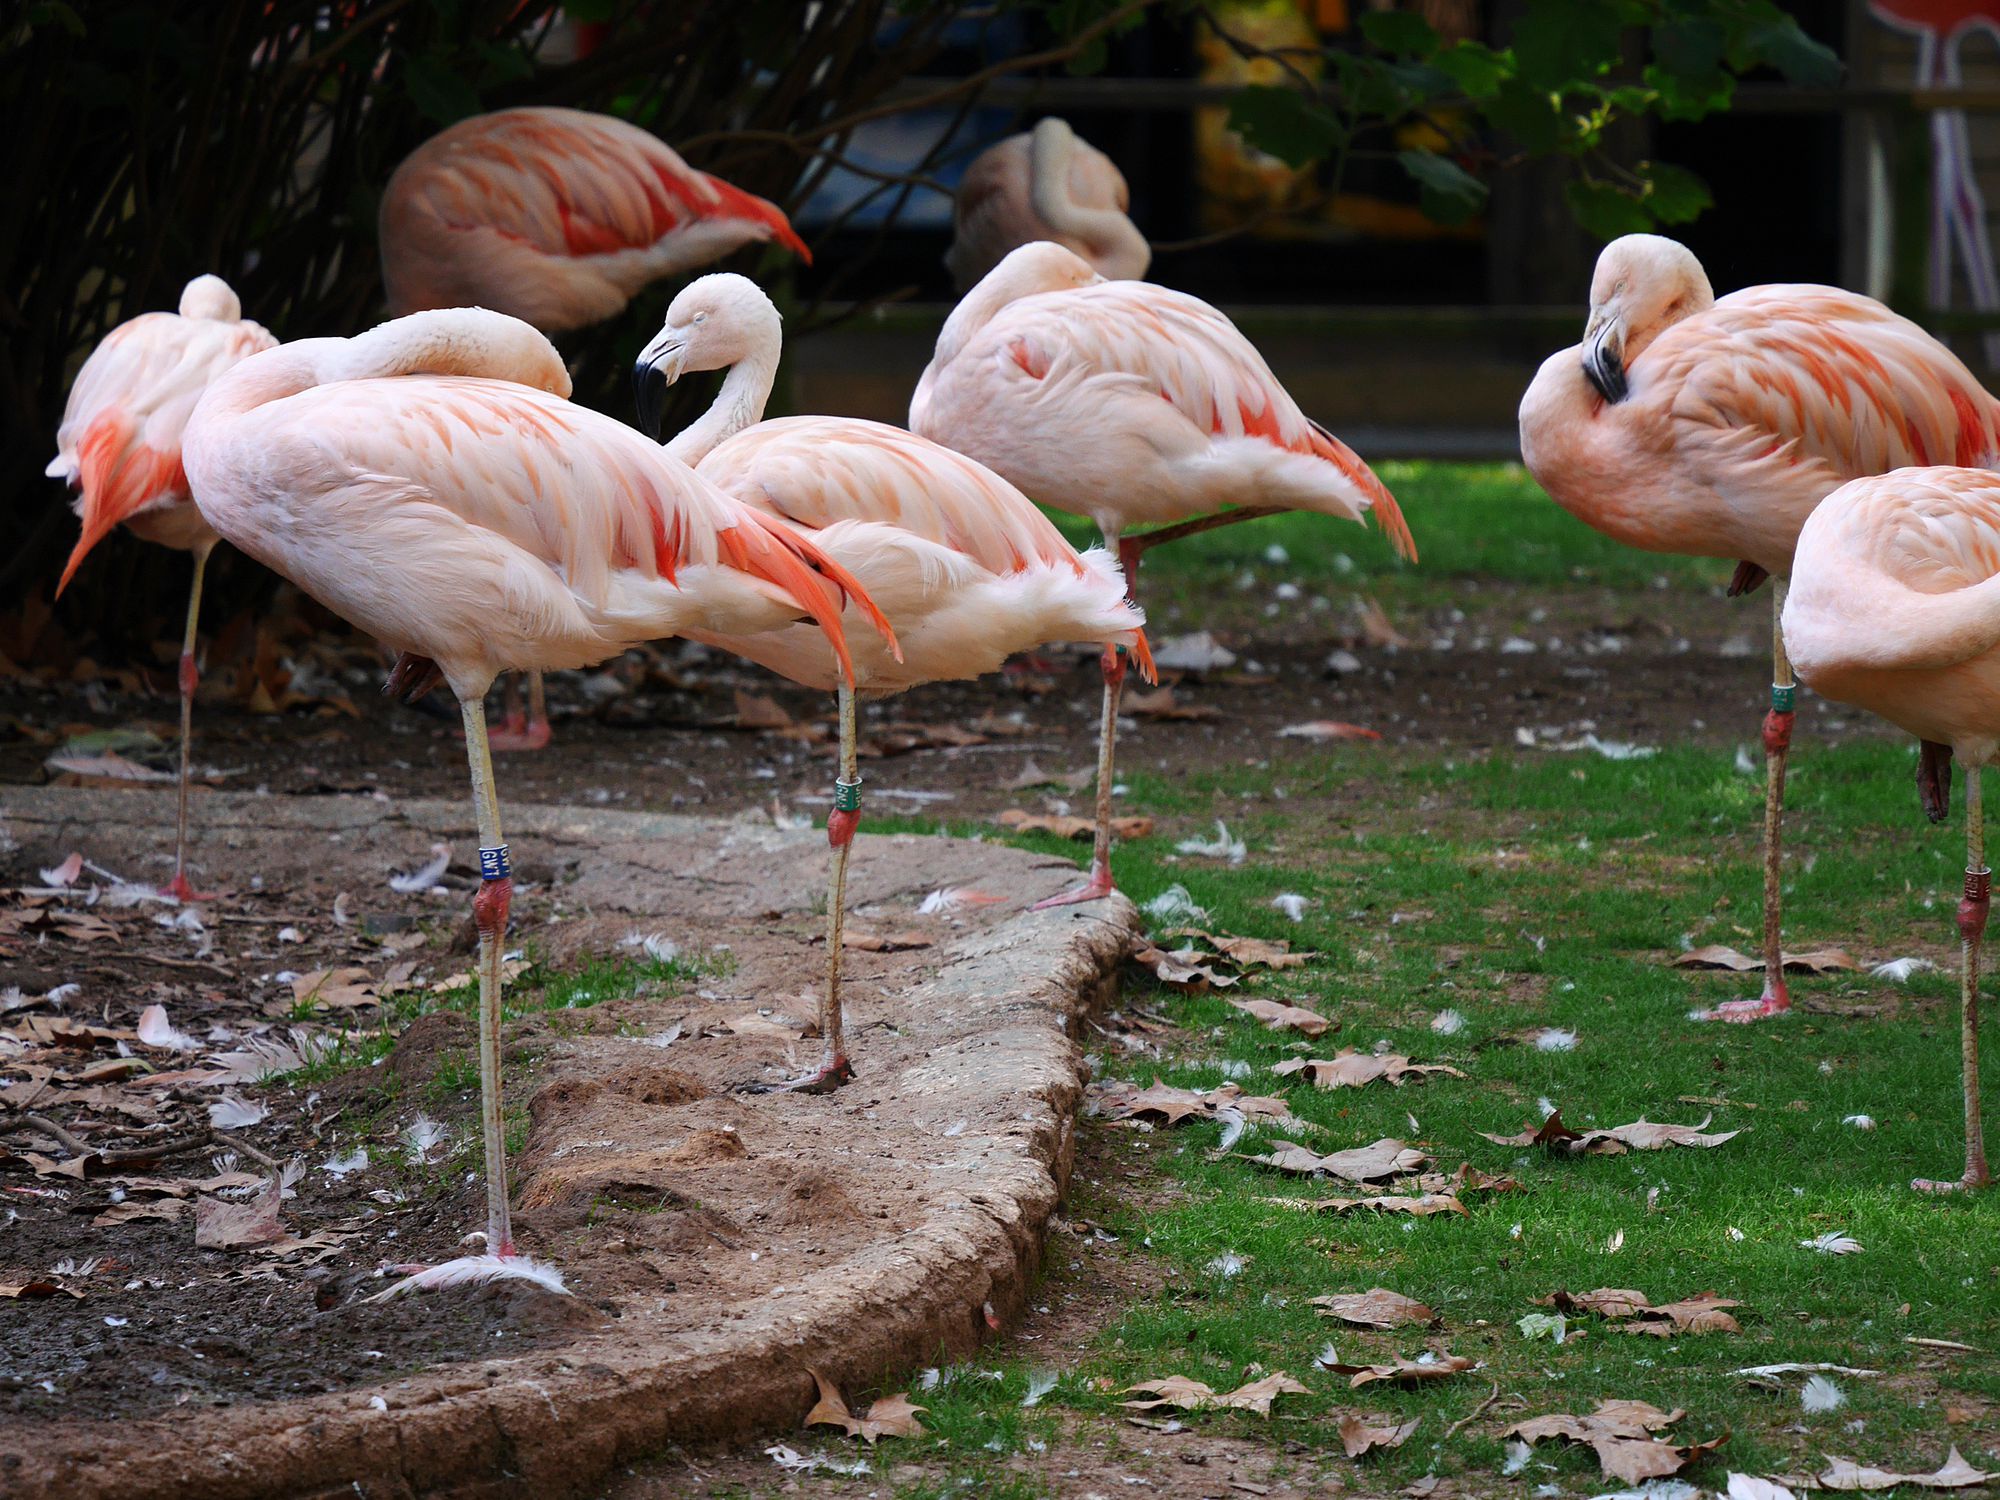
x: 1526, y: 890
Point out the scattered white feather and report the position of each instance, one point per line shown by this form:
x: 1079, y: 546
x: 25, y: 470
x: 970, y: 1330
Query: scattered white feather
x: 232, y: 1113
x: 1859, y: 1122
x: 1555, y: 1039
x: 1447, y: 1023
x: 1292, y: 904
x: 1234, y: 1123
x: 155, y: 1030
x: 1040, y: 1383
x: 340, y: 1166
x: 1832, y: 1243
x: 62, y: 994
x: 1222, y: 846
x: 1174, y: 904
x: 1821, y: 1394
x: 423, y: 878
x: 654, y: 945
x: 952, y: 899
x: 1199, y: 652
x: 425, y: 1139
x: 1616, y: 1243
x: 794, y: 1462
x: 1227, y: 1264
x: 666, y: 1038
x: 1518, y: 1454
x: 1899, y: 970
x: 1745, y: 766
x: 1755, y: 1487
x: 475, y: 1270
x: 1546, y: 1105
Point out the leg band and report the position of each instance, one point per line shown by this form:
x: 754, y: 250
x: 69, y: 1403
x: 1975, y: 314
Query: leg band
x: 494, y: 864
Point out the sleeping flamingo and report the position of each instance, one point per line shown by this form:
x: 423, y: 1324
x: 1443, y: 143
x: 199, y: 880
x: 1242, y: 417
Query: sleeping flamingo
x: 1712, y: 428
x: 119, y: 448
x: 1895, y: 607
x: 964, y: 566
x: 1129, y: 403
x: 1046, y: 184
x: 561, y: 218
x: 428, y: 482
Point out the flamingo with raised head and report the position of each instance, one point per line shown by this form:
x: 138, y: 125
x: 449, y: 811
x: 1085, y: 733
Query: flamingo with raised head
x: 1711, y: 428
x: 1044, y: 184
x: 119, y: 449
x: 964, y: 566
x: 428, y: 482
x: 1130, y: 404
x: 559, y: 217
x: 1895, y: 607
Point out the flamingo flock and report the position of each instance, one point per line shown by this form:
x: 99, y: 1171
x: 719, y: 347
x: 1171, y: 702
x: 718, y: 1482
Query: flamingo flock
x: 429, y: 480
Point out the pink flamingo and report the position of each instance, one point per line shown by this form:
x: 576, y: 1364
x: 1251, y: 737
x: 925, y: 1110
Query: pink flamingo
x: 1712, y: 428
x: 1895, y: 607
x: 965, y: 567
x: 1046, y: 184
x: 1130, y: 404
x: 428, y: 482
x: 559, y: 217
x: 119, y: 448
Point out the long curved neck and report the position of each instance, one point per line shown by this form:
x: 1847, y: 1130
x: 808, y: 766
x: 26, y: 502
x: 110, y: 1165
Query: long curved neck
x: 451, y: 341
x: 746, y: 390
x: 1051, y: 151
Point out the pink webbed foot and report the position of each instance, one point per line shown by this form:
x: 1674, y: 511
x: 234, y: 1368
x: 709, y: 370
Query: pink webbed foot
x: 516, y: 732
x: 1974, y: 1179
x: 824, y: 1079
x: 181, y: 890
x: 1775, y: 1001
x: 1094, y: 889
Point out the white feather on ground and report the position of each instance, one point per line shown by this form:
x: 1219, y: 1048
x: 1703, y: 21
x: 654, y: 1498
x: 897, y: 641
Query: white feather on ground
x: 1820, y: 1394
x: 1222, y: 846
x: 1899, y: 970
x: 423, y: 878
x: 475, y: 1270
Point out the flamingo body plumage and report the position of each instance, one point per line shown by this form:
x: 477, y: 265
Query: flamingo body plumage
x: 1044, y: 184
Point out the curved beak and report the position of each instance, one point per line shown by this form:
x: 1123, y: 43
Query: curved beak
x: 658, y: 366
x: 1603, y: 358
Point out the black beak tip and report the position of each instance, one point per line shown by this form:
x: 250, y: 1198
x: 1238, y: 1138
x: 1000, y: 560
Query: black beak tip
x: 1606, y: 373
x: 649, y: 394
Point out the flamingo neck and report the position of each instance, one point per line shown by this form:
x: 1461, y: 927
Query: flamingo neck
x: 450, y: 341
x: 1051, y: 154
x: 746, y: 390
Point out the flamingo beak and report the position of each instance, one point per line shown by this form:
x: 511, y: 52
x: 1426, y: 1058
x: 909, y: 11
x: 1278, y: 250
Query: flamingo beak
x: 1603, y: 358
x: 658, y: 366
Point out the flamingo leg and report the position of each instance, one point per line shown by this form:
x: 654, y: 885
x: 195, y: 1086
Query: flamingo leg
x: 1971, y: 928
x: 190, y: 674
x: 1112, y: 665
x: 518, y: 730
x: 1776, y: 998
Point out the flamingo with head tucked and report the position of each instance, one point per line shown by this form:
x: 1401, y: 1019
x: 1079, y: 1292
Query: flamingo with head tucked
x: 966, y: 569
x: 1895, y: 607
x: 119, y: 448
x: 1046, y: 184
x: 428, y: 482
x: 559, y: 217
x: 1683, y: 423
x: 1130, y: 404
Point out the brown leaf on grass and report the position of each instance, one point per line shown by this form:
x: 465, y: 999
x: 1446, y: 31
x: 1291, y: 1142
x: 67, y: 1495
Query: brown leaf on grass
x: 1376, y: 1162
x: 902, y: 737
x: 1064, y: 826
x: 1468, y: 1179
x: 1279, y: 1017
x: 889, y: 1416
x: 1358, y: 1436
x: 1640, y: 1135
x: 1812, y: 961
x: 1352, y: 1070
x: 1248, y: 952
x: 169, y: 1209
x: 223, y: 1225
x: 1702, y: 1313
x: 49, y: 920
x: 1172, y: 1105
x: 1421, y: 1207
x: 1399, y: 1370
x: 336, y: 989
x: 884, y: 942
x: 1032, y: 775
x: 1182, y: 969
x: 1622, y: 1434
x: 1954, y: 1474
x: 1376, y: 1308
x: 1183, y: 1394
x: 1160, y: 704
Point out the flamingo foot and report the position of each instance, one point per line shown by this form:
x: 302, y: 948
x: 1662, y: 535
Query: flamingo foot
x: 1975, y: 1177
x: 473, y: 1270
x: 181, y: 890
x: 1773, y: 1002
x: 1094, y: 889
x: 824, y: 1079
x: 517, y: 732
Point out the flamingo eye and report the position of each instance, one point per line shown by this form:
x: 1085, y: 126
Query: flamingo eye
x: 701, y: 317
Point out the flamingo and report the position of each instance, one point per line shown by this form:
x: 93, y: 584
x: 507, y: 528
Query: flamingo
x: 1895, y: 607
x: 428, y: 482
x: 119, y: 448
x: 1712, y: 428
x: 559, y: 217
x: 965, y: 567
x: 1045, y: 184
x: 1129, y: 403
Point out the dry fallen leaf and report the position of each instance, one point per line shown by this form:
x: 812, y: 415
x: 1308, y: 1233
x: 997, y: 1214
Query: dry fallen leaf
x: 1814, y: 961
x: 40, y: 1287
x: 1400, y: 1370
x: 1019, y: 820
x: 1640, y: 1135
x: 1183, y: 1394
x: 771, y: 1027
x: 1622, y: 1433
x: 1121, y: 1101
x: 1278, y: 1017
x: 1377, y: 1162
x: 1702, y: 1313
x: 1421, y: 1207
x: 1032, y: 775
x: 890, y: 1416
x: 1351, y: 1069
x: 884, y: 942
x: 336, y: 989
x: 1183, y: 969
x: 1954, y: 1474
x: 1247, y: 952
x: 1376, y: 1308
x: 223, y: 1225
x: 1358, y: 1436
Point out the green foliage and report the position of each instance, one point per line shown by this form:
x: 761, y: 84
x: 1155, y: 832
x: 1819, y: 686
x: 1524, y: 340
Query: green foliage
x: 1572, y: 70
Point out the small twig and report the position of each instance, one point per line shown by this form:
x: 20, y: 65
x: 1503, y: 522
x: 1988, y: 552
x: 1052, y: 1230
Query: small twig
x: 56, y: 1133
x: 243, y: 1147
x: 1473, y: 1415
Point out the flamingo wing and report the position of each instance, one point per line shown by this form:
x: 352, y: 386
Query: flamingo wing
x: 818, y: 471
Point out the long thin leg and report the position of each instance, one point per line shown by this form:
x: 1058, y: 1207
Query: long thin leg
x: 1971, y: 928
x: 1112, y: 666
x: 519, y: 731
x: 841, y: 824
x: 489, y: 912
x: 1776, y: 998
x: 189, y: 676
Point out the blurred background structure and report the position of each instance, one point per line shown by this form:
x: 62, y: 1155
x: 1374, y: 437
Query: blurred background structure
x: 1398, y: 199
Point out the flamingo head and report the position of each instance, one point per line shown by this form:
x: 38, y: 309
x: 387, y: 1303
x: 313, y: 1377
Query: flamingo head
x: 717, y: 321
x: 1644, y: 284
x: 1038, y: 266
x: 210, y: 297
